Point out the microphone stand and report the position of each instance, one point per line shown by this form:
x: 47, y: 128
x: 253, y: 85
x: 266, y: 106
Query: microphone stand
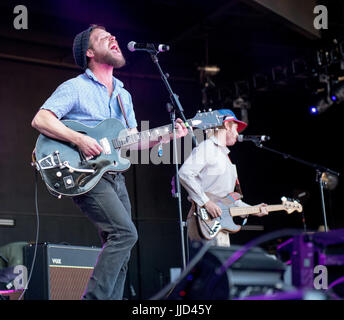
x: 319, y: 171
x: 176, y: 106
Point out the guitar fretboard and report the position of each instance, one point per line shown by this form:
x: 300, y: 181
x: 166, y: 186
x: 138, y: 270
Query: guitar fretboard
x: 152, y: 134
x: 240, y: 211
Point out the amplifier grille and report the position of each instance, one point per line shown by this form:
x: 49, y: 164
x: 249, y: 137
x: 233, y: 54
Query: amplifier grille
x: 68, y: 282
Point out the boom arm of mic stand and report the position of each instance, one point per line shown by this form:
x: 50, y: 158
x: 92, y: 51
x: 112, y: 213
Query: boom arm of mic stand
x: 288, y: 156
x: 319, y: 170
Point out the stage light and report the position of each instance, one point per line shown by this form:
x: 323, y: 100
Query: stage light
x: 322, y: 105
x: 313, y: 110
x: 209, y: 70
x: 329, y: 181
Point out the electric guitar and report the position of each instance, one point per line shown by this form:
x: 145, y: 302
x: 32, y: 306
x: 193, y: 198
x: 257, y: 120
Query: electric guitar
x: 209, y: 227
x: 67, y: 172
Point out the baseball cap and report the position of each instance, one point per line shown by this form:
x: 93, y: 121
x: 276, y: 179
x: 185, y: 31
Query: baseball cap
x: 228, y: 115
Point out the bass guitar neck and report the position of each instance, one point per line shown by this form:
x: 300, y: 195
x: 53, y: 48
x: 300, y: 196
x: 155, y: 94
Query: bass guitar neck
x: 241, y: 211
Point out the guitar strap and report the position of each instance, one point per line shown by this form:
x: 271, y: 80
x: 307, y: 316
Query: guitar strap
x: 122, y: 109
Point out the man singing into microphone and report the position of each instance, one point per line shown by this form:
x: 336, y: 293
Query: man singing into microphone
x: 89, y: 98
x: 208, y: 174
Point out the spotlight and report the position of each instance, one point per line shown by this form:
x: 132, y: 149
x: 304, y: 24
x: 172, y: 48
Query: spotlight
x: 209, y: 70
x: 313, y: 110
x: 321, y: 106
x: 329, y: 181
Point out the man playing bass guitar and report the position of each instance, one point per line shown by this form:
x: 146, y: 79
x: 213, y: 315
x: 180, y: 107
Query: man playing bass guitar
x: 209, y: 176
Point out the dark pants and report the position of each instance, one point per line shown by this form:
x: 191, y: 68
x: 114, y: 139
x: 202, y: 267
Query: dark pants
x: 107, y: 205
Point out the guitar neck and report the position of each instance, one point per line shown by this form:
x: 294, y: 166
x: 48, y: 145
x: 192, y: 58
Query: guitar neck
x: 152, y: 134
x: 241, y: 211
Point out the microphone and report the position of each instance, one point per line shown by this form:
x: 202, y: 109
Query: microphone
x: 242, y: 138
x: 133, y: 46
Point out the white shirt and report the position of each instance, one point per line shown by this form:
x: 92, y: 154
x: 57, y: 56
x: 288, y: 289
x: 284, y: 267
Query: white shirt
x: 208, y: 174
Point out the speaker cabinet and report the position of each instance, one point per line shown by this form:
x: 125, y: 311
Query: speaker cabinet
x: 60, y: 272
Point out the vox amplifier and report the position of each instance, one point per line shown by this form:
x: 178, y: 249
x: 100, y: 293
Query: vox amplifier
x: 60, y: 272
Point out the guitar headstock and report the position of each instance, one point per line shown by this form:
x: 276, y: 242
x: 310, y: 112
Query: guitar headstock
x: 291, y: 205
x: 207, y: 120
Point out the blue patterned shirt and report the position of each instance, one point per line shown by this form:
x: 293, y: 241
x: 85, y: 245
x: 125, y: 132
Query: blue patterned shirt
x: 85, y: 99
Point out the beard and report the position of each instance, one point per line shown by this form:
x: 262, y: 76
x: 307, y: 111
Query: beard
x: 116, y: 61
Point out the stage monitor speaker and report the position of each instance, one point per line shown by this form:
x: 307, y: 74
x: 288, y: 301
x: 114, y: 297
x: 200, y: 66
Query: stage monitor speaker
x: 255, y: 273
x: 61, y: 272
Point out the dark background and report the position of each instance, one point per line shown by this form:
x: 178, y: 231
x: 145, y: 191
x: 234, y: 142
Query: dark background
x: 240, y: 37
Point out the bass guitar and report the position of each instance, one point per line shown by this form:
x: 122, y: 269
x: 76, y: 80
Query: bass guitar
x: 67, y: 172
x: 208, y: 227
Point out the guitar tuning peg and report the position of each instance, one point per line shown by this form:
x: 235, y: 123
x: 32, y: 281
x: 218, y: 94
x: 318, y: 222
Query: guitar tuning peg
x: 198, y: 111
x: 210, y: 109
x: 284, y: 199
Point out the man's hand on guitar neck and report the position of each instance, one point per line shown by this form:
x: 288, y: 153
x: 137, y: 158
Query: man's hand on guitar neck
x: 182, y: 130
x: 213, y: 209
x: 263, y: 210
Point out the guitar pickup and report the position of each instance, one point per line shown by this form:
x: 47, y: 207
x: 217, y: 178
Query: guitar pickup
x: 204, y: 214
x: 105, y: 144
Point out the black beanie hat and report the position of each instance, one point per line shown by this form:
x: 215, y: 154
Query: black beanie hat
x: 80, y: 46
